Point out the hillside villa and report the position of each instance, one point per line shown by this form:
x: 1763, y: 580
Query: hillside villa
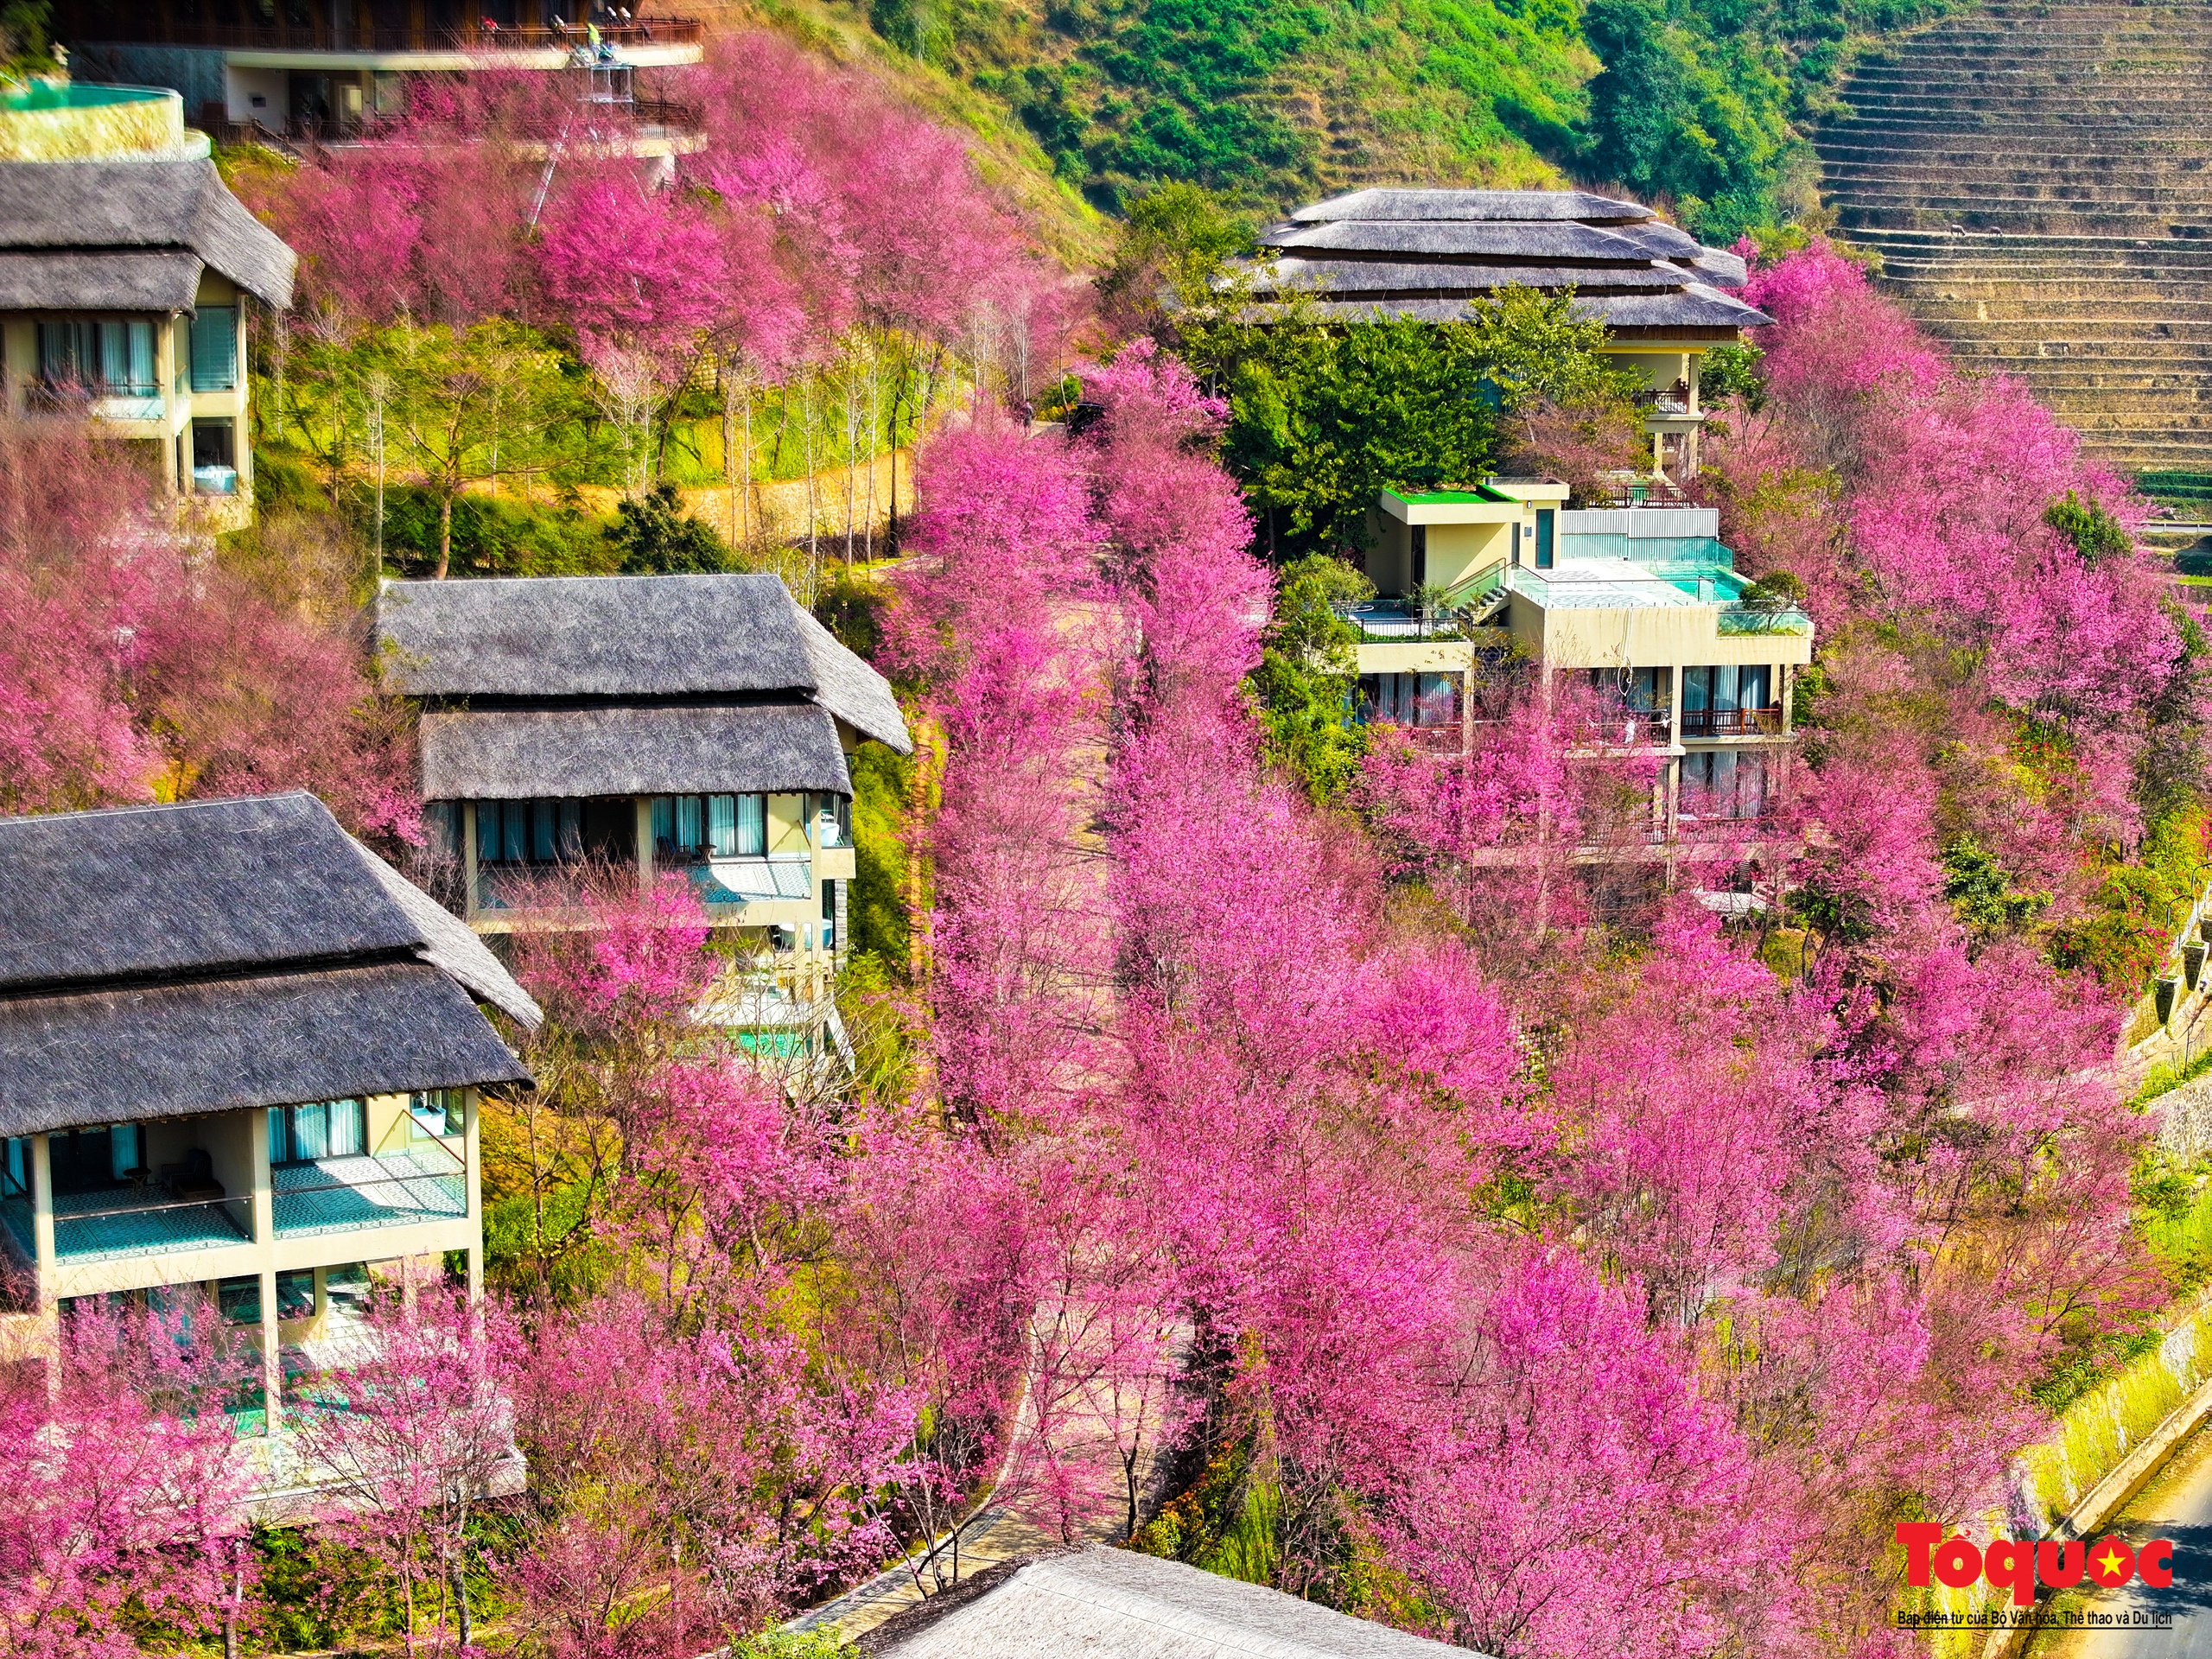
x: 240, y: 1056
x: 317, y: 71
x: 702, y: 725
x: 127, y: 289
x: 1427, y: 254
x: 1645, y: 602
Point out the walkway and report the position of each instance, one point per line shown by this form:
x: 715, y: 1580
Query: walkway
x: 2177, y: 1504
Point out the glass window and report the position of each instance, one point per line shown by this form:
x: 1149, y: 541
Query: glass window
x: 438, y: 1111
x: 753, y: 826
x: 333, y: 1129
x: 1723, y: 784
x: 296, y: 1294
x: 16, y: 1169
x: 240, y: 1299
x: 1420, y: 537
x: 514, y: 832
x: 123, y: 1150
x: 112, y: 355
x: 691, y: 823
x: 721, y: 825
x: 215, y: 349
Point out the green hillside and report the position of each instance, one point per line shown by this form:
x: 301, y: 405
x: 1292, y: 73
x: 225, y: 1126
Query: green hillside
x: 1699, y: 104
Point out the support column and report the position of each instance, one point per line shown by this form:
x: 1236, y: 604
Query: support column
x: 645, y: 843
x: 471, y: 1140
x: 49, y: 1308
x: 265, y: 1238
x: 468, y: 858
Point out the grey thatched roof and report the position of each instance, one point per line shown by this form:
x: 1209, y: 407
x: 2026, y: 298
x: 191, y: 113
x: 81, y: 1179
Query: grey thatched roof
x: 1115, y: 1603
x: 211, y: 887
x: 848, y: 688
x: 99, y: 282
x: 171, y: 958
x: 1423, y: 254
x: 507, y: 755
x: 606, y: 648
x: 1524, y: 242
x: 1383, y: 202
x: 112, y: 207
x: 214, y: 1044
x: 593, y: 636
x: 450, y: 945
x: 1380, y: 279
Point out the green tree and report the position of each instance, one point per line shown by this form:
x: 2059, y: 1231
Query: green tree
x: 657, y: 537
x: 1323, y: 418
x: 2092, y: 532
x: 1176, y: 242
x: 442, y: 408
x: 1308, y: 672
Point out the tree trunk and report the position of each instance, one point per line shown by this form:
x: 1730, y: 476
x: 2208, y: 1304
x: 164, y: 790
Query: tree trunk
x: 445, y: 534
x: 461, y: 1604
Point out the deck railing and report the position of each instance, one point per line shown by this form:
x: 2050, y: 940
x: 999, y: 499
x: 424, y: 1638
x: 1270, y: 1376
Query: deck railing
x: 285, y: 37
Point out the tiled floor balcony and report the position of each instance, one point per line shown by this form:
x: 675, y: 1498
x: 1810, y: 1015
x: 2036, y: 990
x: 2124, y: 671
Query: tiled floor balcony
x: 343, y: 1195
x: 109, y: 1226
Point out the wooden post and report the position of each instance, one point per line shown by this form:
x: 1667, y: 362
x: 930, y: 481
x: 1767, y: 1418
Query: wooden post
x: 265, y: 1238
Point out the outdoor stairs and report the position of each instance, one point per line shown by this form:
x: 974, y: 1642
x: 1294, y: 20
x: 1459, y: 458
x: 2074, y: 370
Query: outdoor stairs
x: 2037, y: 179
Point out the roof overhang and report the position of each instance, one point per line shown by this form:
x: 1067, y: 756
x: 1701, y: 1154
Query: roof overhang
x: 510, y: 754
x: 179, y: 1049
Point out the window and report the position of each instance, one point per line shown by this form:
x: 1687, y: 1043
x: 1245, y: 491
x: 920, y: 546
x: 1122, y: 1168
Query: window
x: 1544, y: 543
x: 1640, y: 690
x: 215, y: 349
x: 239, y: 1300
x: 829, y: 915
x: 691, y: 829
x: 111, y: 357
x: 333, y: 1129
x: 15, y: 1167
x: 214, y: 458
x: 1411, y: 699
x: 1723, y: 784
x: 438, y: 1111
x: 296, y: 1294
x: 1420, y: 555
x: 1726, y: 700
x: 529, y: 832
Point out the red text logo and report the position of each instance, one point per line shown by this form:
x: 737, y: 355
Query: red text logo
x: 2020, y: 1564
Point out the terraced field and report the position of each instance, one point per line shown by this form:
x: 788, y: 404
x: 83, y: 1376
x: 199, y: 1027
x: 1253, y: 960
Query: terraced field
x: 2038, y: 181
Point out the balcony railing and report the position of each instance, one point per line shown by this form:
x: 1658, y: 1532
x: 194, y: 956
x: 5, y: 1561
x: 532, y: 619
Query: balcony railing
x: 1631, y: 728
x: 154, y: 31
x: 1732, y: 722
x: 424, y: 1182
x: 107, y: 1225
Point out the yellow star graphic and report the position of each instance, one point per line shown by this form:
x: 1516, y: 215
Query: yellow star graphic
x: 2108, y: 1565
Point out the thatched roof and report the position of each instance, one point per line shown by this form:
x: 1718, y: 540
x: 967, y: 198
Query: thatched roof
x: 507, y: 755
x: 1425, y: 254
x: 118, y: 209
x: 99, y: 282
x: 163, y: 959
x: 1381, y: 279
x: 1533, y: 242
x: 215, y: 1045
x: 1386, y: 203
x: 1115, y: 1603
x: 624, y: 639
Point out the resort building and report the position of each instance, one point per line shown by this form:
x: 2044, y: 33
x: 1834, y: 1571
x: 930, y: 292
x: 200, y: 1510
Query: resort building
x: 240, y: 1061
x: 1642, y: 603
x: 1427, y: 254
x: 318, y: 70
x: 126, y: 292
x: 637, y: 726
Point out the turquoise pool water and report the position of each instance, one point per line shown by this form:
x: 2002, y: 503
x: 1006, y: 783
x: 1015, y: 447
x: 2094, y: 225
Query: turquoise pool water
x: 43, y: 95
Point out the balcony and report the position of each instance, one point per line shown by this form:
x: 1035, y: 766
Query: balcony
x: 152, y: 28
x: 785, y: 876
x: 425, y: 1183
x: 113, y: 1225
x: 1732, y: 722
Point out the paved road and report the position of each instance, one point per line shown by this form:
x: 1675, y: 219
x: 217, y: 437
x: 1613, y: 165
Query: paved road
x: 2176, y: 1505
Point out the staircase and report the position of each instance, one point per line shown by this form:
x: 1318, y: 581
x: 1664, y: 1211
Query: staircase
x: 2038, y: 178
